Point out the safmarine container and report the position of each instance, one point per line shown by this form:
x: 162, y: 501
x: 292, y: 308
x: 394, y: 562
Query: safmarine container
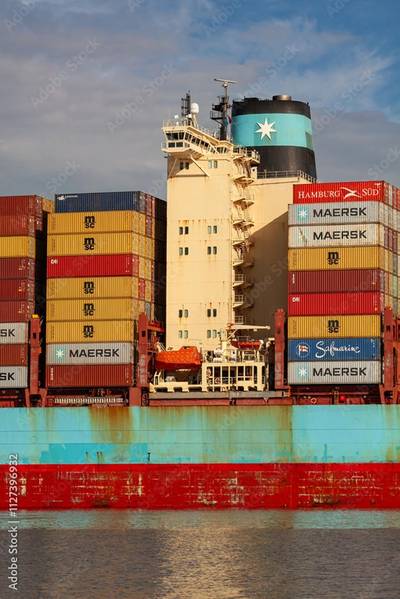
x: 325, y: 281
x: 118, y: 375
x: 331, y: 213
x: 115, y: 265
x: 101, y: 201
x: 91, y: 332
x: 338, y: 258
x: 340, y: 373
x: 13, y: 333
x: 90, y: 353
x: 337, y: 235
x: 307, y: 304
x: 17, y: 289
x: 16, y: 311
x: 14, y: 355
x: 333, y: 326
x: 92, y: 244
x: 92, y: 309
x: 17, y: 268
x: 13, y: 377
x: 92, y: 287
x: 18, y: 225
x: 99, y: 222
x: 343, y: 349
x: 17, y: 247
x: 342, y: 191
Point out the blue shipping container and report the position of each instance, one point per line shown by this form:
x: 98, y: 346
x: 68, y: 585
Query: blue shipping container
x: 97, y: 202
x: 311, y: 350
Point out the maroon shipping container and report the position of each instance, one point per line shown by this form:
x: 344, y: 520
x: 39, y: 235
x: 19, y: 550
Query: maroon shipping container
x: 17, y: 289
x: 318, y: 304
x: 18, y: 225
x: 90, y: 376
x: 341, y: 191
x: 115, y: 265
x: 17, y: 268
x: 14, y: 355
x: 20, y: 205
x: 16, y: 311
x: 328, y: 281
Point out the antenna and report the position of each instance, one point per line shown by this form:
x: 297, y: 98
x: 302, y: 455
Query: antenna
x: 185, y: 105
x: 220, y: 111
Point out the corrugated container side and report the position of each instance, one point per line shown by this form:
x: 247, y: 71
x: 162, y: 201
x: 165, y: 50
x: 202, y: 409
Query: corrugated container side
x: 318, y: 281
x: 115, y: 265
x: 339, y: 191
x: 17, y: 225
x: 13, y: 333
x: 103, y: 375
x: 16, y: 311
x: 332, y: 213
x: 17, y: 247
x: 91, y: 332
x: 14, y: 355
x: 17, y: 289
x: 97, y: 222
x: 95, y: 287
x: 90, y: 353
x: 343, y: 349
x: 92, y: 244
x: 13, y: 377
x: 338, y: 373
x: 17, y: 268
x: 338, y: 258
x: 333, y: 326
x: 10, y: 205
x: 101, y: 202
x: 307, y: 304
x: 92, y: 309
x: 337, y: 235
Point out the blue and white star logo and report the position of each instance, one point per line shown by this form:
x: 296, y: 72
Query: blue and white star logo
x: 266, y: 129
x: 302, y: 372
x: 60, y: 353
x: 302, y: 213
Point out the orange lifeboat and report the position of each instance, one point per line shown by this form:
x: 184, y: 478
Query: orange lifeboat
x: 185, y: 358
x: 249, y: 344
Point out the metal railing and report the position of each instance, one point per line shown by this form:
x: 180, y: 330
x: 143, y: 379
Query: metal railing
x: 283, y: 174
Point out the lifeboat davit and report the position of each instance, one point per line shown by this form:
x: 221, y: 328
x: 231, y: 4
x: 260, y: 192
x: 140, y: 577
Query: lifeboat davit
x: 249, y: 344
x: 185, y: 358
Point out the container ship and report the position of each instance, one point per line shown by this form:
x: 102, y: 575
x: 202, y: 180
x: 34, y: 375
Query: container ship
x: 236, y: 346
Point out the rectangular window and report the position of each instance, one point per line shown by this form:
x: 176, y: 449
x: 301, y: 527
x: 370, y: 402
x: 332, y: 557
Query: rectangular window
x: 186, y: 313
x: 208, y: 334
x: 209, y: 312
x: 214, y: 334
x: 180, y: 230
x: 214, y: 312
x: 215, y: 164
x: 186, y: 230
x: 185, y: 334
x: 209, y: 250
x: 209, y: 228
x: 180, y: 313
x: 183, y: 165
x: 181, y: 251
x: 214, y: 249
x: 186, y: 251
x: 180, y: 334
x: 215, y: 229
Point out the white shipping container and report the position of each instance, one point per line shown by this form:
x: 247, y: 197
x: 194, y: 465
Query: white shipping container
x: 330, y: 213
x: 12, y: 333
x: 13, y: 377
x: 329, y: 373
x: 89, y: 353
x: 336, y: 235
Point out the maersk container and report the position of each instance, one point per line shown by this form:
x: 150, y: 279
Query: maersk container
x: 13, y: 333
x: 119, y: 375
x: 340, y: 191
x: 17, y: 225
x: 17, y: 247
x: 14, y: 354
x: 98, y: 331
x: 357, y: 348
x: 13, y: 377
x: 335, y: 373
x: 333, y: 326
x: 337, y: 235
x: 92, y: 244
x: 92, y: 287
x: 332, y: 213
x: 17, y: 268
x: 115, y: 265
x: 16, y: 311
x: 90, y: 353
x: 97, y: 222
x: 308, y: 304
x: 92, y: 309
x: 338, y: 258
x: 17, y: 289
x: 325, y: 281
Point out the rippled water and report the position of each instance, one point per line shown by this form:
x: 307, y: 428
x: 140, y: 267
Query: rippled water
x: 184, y: 555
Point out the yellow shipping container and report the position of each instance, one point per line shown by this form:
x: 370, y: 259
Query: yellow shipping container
x: 145, y: 268
x: 149, y: 248
x: 95, y: 222
x: 17, y: 247
x: 92, y: 287
x: 147, y: 295
x: 141, y: 223
x: 92, y: 309
x: 92, y: 244
x: 336, y: 258
x: 311, y: 327
x: 100, y: 331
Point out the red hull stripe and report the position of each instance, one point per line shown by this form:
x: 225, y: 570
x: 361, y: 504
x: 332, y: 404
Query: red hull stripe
x: 199, y: 486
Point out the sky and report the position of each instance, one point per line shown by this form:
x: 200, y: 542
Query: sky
x: 86, y: 84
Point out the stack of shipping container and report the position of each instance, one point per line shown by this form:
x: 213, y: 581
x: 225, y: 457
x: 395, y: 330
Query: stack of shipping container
x: 343, y: 267
x: 106, y: 265
x: 22, y: 274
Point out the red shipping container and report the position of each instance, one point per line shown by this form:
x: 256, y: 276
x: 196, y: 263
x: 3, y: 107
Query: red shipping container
x: 17, y: 268
x: 328, y: 281
x: 117, y: 265
x: 119, y: 375
x: 17, y: 289
x: 19, y: 225
x: 14, y: 355
x: 142, y: 289
x: 16, y: 311
x: 318, y: 304
x: 340, y: 191
x: 20, y: 205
